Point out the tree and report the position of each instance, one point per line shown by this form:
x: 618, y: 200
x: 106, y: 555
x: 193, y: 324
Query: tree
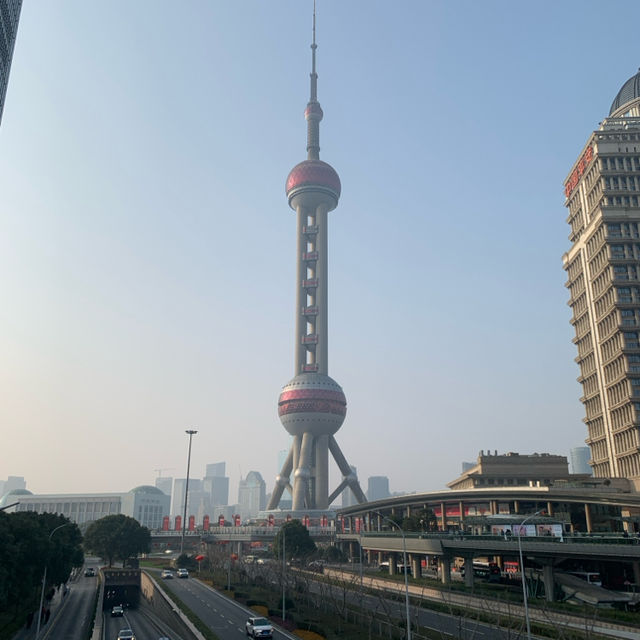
x: 118, y: 537
x: 26, y: 547
x: 298, y: 542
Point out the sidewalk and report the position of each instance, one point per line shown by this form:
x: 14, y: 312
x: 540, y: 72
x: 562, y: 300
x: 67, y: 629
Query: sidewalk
x: 55, y: 606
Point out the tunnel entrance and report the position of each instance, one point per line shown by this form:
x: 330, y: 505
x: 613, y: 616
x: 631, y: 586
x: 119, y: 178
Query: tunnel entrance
x: 121, y: 586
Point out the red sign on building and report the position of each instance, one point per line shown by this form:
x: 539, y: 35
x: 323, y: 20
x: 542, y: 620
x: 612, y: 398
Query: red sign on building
x: 576, y: 174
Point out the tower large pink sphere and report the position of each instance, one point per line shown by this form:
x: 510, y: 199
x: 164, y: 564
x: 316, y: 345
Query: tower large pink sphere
x: 312, y: 403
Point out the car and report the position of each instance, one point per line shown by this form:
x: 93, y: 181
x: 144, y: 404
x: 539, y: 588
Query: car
x: 117, y: 611
x: 259, y: 628
x: 182, y: 573
x: 316, y: 565
x: 89, y: 572
x: 166, y: 574
x: 125, y: 634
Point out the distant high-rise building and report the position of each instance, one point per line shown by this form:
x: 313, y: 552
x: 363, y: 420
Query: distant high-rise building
x: 579, y: 458
x: 165, y: 485
x: 195, y: 497
x: 216, y: 488
x: 216, y: 470
x: 12, y: 483
x: 252, y: 495
x: 603, y: 277
x: 377, y: 488
x: 9, y: 17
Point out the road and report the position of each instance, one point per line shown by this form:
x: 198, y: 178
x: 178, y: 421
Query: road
x: 224, y: 617
x: 141, y: 621
x: 71, y: 614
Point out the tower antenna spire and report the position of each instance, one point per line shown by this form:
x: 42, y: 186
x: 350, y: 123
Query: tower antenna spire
x: 313, y: 112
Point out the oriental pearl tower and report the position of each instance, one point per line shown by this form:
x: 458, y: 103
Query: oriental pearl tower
x: 312, y: 406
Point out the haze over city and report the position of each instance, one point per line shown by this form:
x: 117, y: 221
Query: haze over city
x: 147, y: 249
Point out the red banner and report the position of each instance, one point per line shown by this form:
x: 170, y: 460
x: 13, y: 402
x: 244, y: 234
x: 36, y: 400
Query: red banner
x: 165, y: 523
x: 205, y: 523
x: 178, y: 525
x: 192, y: 523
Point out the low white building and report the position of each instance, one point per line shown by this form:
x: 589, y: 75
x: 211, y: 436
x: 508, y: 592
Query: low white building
x: 148, y: 505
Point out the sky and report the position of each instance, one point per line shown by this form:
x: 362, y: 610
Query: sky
x: 147, y: 251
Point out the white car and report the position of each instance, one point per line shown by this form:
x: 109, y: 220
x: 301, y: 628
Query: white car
x: 166, y: 574
x: 259, y: 628
x: 126, y: 634
x: 182, y: 573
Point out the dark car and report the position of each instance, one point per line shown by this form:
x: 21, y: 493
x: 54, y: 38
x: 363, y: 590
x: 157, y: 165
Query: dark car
x: 89, y: 572
x: 117, y: 611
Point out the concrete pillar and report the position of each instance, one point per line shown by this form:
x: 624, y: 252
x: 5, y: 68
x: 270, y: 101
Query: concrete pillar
x: 443, y: 517
x: 493, y: 507
x: 547, y: 577
x: 352, y: 549
x: 516, y: 506
x: 461, y: 507
x: 549, y: 508
x: 587, y: 515
x: 393, y: 564
x: 445, y: 569
x: 469, y: 576
x: 380, y: 556
x: 416, y: 569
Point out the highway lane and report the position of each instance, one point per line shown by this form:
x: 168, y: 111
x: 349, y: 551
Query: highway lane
x: 224, y: 617
x: 74, y: 613
x: 141, y: 621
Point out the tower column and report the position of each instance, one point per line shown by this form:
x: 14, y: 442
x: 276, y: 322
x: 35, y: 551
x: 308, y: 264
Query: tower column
x: 322, y: 328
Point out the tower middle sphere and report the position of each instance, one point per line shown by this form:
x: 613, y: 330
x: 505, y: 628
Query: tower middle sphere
x: 311, y: 183
x: 312, y: 403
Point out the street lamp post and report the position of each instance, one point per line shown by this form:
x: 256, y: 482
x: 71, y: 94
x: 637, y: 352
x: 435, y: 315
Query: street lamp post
x: 404, y: 561
x: 44, y: 581
x: 191, y: 433
x: 284, y: 569
x: 524, y: 582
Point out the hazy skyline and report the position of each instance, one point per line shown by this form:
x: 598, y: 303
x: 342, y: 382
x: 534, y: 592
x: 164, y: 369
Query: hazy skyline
x: 147, y: 251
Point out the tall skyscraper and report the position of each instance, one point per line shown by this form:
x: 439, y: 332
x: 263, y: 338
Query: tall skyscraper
x: 216, y: 470
x: 603, y: 267
x: 378, y: 488
x: 164, y: 484
x: 251, y: 494
x: 9, y: 17
x: 312, y: 406
x: 195, y: 496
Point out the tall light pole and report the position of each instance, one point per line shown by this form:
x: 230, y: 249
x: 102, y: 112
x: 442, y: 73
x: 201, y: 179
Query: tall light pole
x: 44, y: 581
x: 524, y: 582
x: 404, y: 561
x: 191, y: 433
x: 284, y: 569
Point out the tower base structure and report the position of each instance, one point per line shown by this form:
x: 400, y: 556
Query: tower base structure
x: 312, y: 407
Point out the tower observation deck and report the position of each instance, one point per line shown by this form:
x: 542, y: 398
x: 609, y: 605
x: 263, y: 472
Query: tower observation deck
x: 312, y: 406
